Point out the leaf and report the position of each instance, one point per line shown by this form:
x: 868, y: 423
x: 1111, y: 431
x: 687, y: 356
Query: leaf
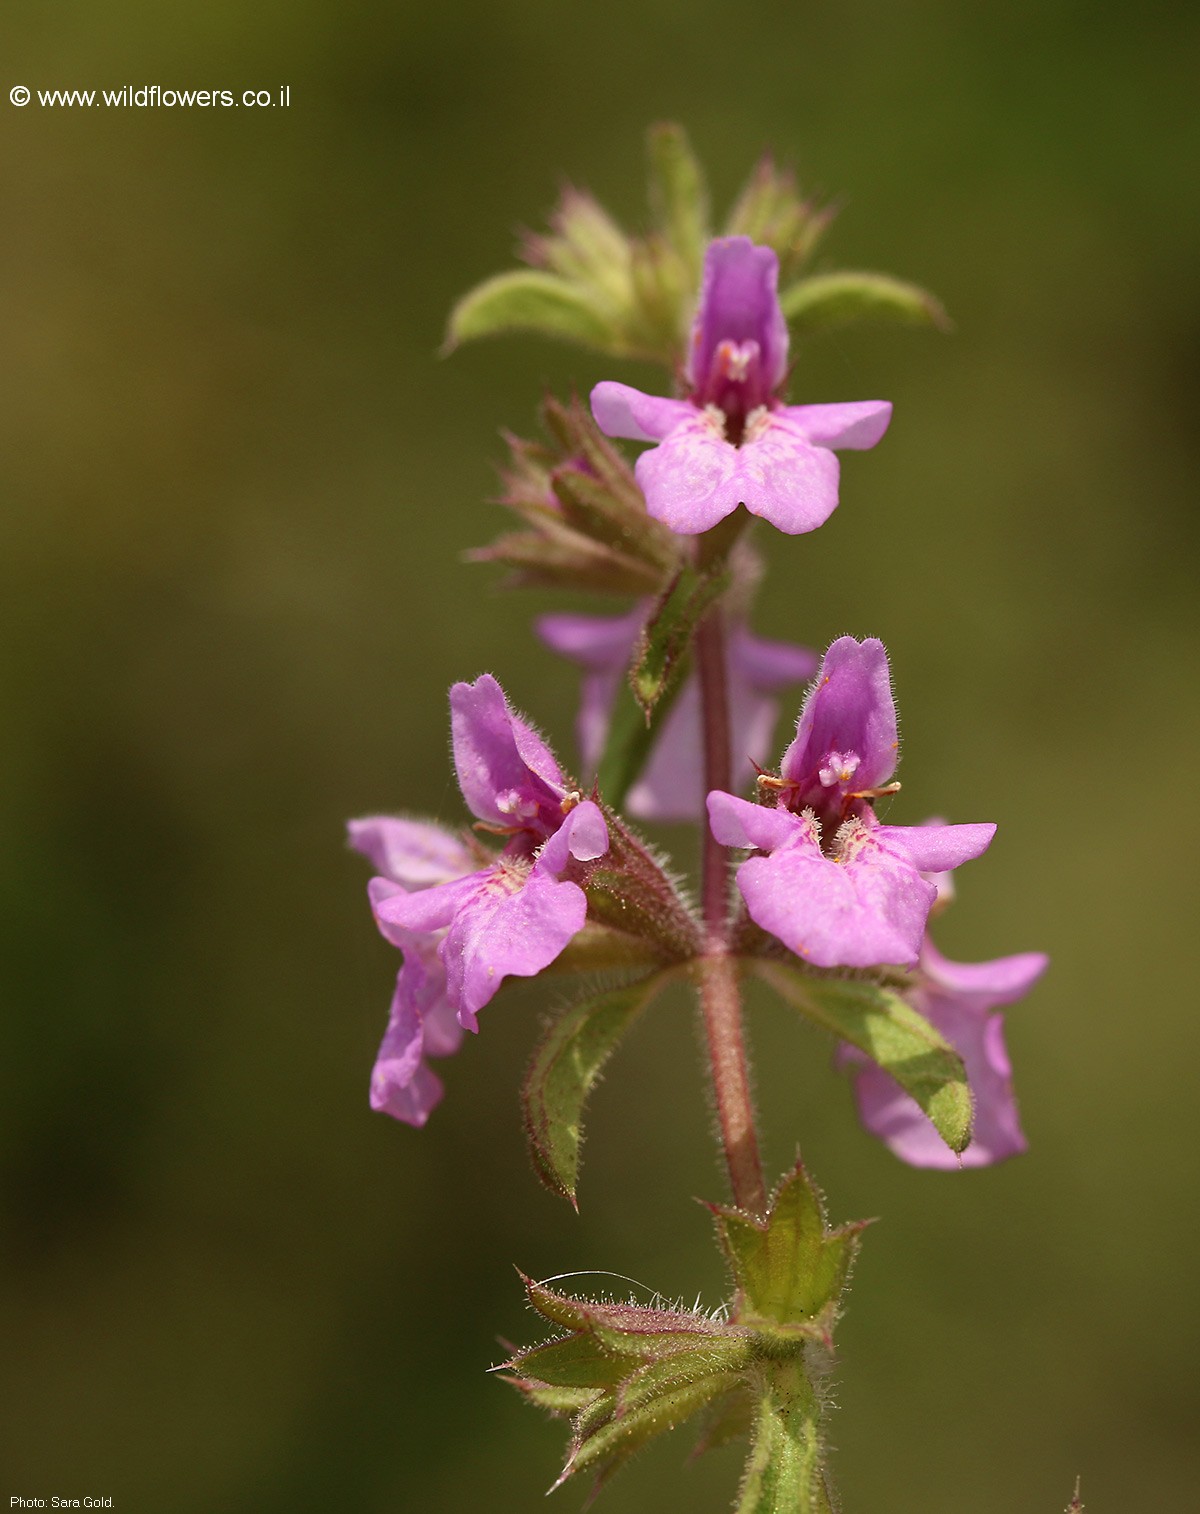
x: 555, y: 1399
x: 577, y: 1361
x: 659, y: 665
x: 667, y: 633
x: 628, y: 1373
x: 630, y: 737
x: 678, y: 193
x: 610, y: 1444
x: 636, y: 1330
x: 563, y: 1071
x: 839, y: 299
x: 892, y: 1034
x: 784, y: 1473
x: 790, y: 1267
x: 529, y: 299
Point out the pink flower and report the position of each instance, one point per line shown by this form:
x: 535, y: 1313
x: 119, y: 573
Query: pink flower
x: 835, y: 886
x: 514, y: 916
x: 411, y: 855
x: 732, y: 441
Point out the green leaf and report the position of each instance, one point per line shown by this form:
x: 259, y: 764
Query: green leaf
x: 660, y: 663
x: 839, y: 299
x: 629, y: 1372
x: 607, y: 1446
x: 678, y: 194
x: 587, y: 247
x: 784, y: 1474
x: 577, y: 1361
x: 563, y: 1071
x: 665, y: 638
x: 529, y: 299
x: 790, y: 1267
x: 644, y: 1333
x: 892, y: 1034
x: 555, y: 1399
x: 630, y: 737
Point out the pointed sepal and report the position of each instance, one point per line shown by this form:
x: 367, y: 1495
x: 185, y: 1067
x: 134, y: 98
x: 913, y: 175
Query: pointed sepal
x: 771, y: 210
x: 585, y: 517
x: 626, y: 1373
x: 790, y: 1267
x: 629, y: 891
x: 678, y: 194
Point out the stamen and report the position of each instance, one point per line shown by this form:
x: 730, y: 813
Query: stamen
x: 769, y: 781
x: 569, y: 801
x: 880, y: 793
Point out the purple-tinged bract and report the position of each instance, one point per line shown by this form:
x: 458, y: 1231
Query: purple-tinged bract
x: 732, y: 441
x: 835, y: 886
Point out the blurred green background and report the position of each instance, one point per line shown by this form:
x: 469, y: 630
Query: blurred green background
x: 237, y: 483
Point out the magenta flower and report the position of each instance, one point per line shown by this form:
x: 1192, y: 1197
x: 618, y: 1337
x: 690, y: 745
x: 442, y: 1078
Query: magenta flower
x: 732, y: 441
x: 671, y: 786
x: 412, y: 855
x: 514, y: 916
x: 960, y: 999
x: 835, y: 886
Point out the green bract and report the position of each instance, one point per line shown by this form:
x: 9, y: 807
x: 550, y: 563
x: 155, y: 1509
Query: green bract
x: 563, y: 1071
x: 625, y: 1373
x: 633, y: 296
x: 892, y: 1033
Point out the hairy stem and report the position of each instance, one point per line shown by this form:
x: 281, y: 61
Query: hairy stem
x: 719, y: 994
